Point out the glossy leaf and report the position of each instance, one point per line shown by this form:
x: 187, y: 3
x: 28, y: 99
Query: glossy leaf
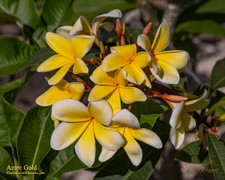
x: 212, y: 6
x: 192, y: 153
x: 34, y: 137
x: 13, y: 55
x: 150, y: 119
x: 120, y: 167
x: 5, y: 160
x: 217, y: 79
x: 55, y: 13
x: 23, y: 10
x: 217, y: 156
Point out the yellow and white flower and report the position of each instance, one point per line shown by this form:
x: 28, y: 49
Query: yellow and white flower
x: 113, y: 87
x: 69, y: 53
x: 181, y: 121
x: 128, y: 126
x: 164, y: 64
x: 60, y: 91
x: 82, y: 26
x: 126, y: 57
x: 81, y: 124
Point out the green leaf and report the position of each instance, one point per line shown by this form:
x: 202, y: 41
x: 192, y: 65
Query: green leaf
x: 217, y: 156
x: 149, y: 118
x: 201, y: 26
x: 148, y: 107
x: 34, y: 137
x: 66, y: 160
x: 212, y: 6
x: 5, y: 160
x: 23, y: 10
x: 192, y: 153
x: 13, y: 55
x: 55, y: 13
x: 217, y: 79
x: 119, y: 167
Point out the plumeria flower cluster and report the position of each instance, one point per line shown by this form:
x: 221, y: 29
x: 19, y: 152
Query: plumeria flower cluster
x: 124, y: 75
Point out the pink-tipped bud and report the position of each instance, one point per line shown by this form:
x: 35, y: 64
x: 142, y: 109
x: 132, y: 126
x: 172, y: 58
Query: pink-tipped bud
x: 174, y: 98
x: 119, y: 29
x: 124, y: 29
x: 147, y: 29
x: 123, y: 41
x: 94, y: 62
x: 102, y: 48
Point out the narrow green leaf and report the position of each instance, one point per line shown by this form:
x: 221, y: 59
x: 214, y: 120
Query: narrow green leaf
x: 13, y: 55
x: 149, y: 119
x: 34, y: 137
x: 5, y: 160
x: 192, y: 153
x: 55, y: 13
x: 217, y: 156
x: 217, y: 79
x: 23, y: 10
x: 212, y: 6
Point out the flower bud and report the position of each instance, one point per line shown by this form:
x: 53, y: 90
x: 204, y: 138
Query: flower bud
x: 147, y: 29
x: 119, y: 29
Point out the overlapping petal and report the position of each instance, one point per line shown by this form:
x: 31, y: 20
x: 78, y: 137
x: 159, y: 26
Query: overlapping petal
x: 79, y: 66
x: 77, y: 90
x: 114, y: 100
x: 105, y: 155
x: 188, y: 122
x: 142, y: 59
x: 126, y: 51
x: 121, y: 77
x: 177, y: 136
x: 100, y: 92
x: 176, y: 114
x: 144, y: 42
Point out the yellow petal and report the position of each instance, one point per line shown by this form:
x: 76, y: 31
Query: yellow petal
x: 64, y: 31
x: 175, y: 58
x: 60, y: 44
x: 113, y: 62
x: 59, y: 75
x: 121, y: 77
x: 105, y: 155
x: 82, y: 44
x: 142, y: 59
x: 162, y: 37
x: 147, y: 136
x: 127, y: 51
x: 77, y: 90
x: 70, y: 110
x: 188, y: 122
x: 144, y: 42
x: 79, y: 66
x: 85, y: 146
x: 108, y: 138
x: 63, y: 84
x: 54, y: 62
x: 52, y: 95
x: 114, y: 100
x: 168, y: 73
x: 81, y: 26
x: 132, y: 148
x: 99, y: 92
x: 103, y: 78
x: 126, y: 118
x: 177, y: 136
x: 130, y: 95
x: 177, y: 112
x: 66, y: 133
x: 134, y: 74
x: 100, y: 111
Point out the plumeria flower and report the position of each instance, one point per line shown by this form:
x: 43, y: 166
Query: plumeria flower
x: 113, y: 86
x: 126, y: 57
x: 82, y: 26
x: 69, y: 53
x: 60, y: 91
x: 164, y: 64
x: 128, y: 126
x: 81, y: 124
x: 181, y: 121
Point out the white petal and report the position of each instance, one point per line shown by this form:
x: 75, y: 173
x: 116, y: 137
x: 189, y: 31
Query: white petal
x: 105, y: 155
x: 177, y: 136
x: 144, y: 42
x: 188, y: 122
x: 176, y: 114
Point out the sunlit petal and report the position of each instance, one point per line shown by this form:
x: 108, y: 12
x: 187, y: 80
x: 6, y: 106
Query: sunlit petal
x: 114, y: 100
x: 121, y: 77
x: 79, y: 66
x: 82, y: 44
x: 59, y: 75
x: 81, y: 26
x: 64, y: 31
x: 60, y: 44
x: 107, y: 137
x: 70, y: 110
x: 176, y: 114
x: 105, y: 155
x: 126, y: 51
x: 144, y: 42
x: 147, y: 136
x: 162, y: 37
x: 177, y: 136
x: 188, y: 122
x: 126, y: 118
x: 101, y: 111
x: 77, y: 90
x: 175, y: 58
x: 66, y: 133
x: 54, y: 62
x: 132, y: 148
x: 99, y: 92
x: 103, y: 78
x: 142, y: 59
x: 85, y: 146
